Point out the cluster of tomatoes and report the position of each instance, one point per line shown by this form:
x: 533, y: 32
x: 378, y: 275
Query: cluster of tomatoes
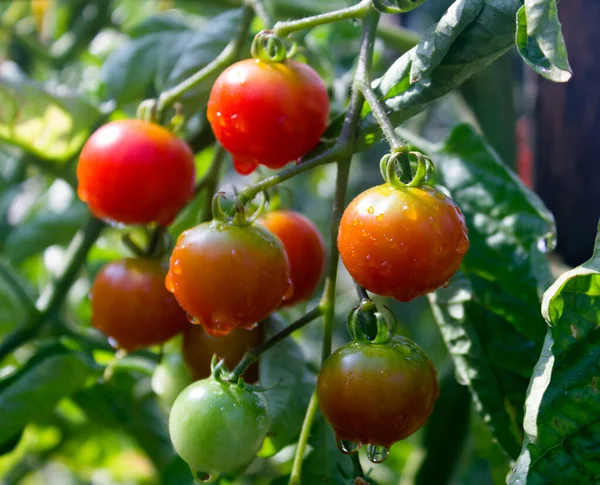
x: 228, y: 274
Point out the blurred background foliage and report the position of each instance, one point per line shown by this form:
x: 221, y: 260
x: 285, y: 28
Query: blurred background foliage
x: 69, y: 65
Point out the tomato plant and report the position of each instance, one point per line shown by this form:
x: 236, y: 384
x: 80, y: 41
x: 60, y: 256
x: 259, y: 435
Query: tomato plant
x: 217, y: 427
x: 131, y: 305
x: 268, y: 113
x: 135, y: 172
x: 118, y: 126
x: 198, y: 348
x: 228, y: 276
x: 304, y: 248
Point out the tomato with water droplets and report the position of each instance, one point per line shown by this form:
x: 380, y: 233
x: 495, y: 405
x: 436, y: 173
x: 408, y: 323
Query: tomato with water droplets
x: 304, y: 247
x: 199, y: 347
x: 228, y: 276
x: 402, y: 242
x: 217, y: 427
x: 376, y: 394
x: 135, y: 172
x: 268, y: 113
x: 130, y: 304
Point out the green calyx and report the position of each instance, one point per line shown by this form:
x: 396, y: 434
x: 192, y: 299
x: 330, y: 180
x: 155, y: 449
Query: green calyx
x: 267, y: 46
x: 367, y: 325
x: 401, y: 158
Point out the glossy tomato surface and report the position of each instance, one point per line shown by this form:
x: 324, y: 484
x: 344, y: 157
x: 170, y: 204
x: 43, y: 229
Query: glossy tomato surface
x: 402, y: 243
x: 130, y: 304
x: 227, y: 276
x: 135, y: 172
x: 199, y: 347
x: 377, y: 394
x: 268, y: 113
x: 304, y: 247
x: 217, y: 427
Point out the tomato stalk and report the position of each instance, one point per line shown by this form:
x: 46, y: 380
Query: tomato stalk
x: 227, y: 56
x: 347, y: 137
x: 261, y: 11
x: 357, y: 11
x: 54, y: 295
x: 210, y: 181
x: 252, y: 356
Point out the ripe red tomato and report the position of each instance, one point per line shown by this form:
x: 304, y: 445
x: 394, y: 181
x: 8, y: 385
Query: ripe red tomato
x: 402, y: 242
x: 135, y: 172
x: 227, y: 276
x: 376, y: 394
x: 268, y: 113
x: 304, y: 247
x: 131, y: 305
x: 198, y: 348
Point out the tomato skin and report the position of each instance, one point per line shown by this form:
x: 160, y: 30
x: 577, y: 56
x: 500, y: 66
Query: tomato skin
x: 130, y: 304
x: 228, y: 276
x: 217, y: 427
x: 402, y: 243
x: 268, y: 113
x: 135, y: 172
x: 198, y: 347
x: 304, y: 247
x: 377, y: 394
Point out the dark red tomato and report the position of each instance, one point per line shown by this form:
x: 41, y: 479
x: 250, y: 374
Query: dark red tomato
x: 268, y: 113
x: 135, y: 172
x: 404, y: 242
x: 131, y: 305
x: 376, y: 394
x: 199, y: 347
x: 227, y: 276
x: 304, y: 247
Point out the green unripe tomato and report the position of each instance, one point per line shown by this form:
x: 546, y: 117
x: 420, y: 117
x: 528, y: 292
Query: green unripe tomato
x: 217, y: 427
x: 397, y: 6
x: 170, y: 377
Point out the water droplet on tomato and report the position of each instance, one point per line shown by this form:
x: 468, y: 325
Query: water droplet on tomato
x: 380, y: 216
x: 377, y: 453
x: 113, y: 343
x: 203, y: 477
x: 252, y: 326
x: 176, y: 267
x: 219, y: 113
x: 385, y: 268
x: 347, y: 447
x: 446, y: 284
x: 355, y: 222
x: 244, y: 166
x: 440, y: 196
x: 169, y: 283
x: 463, y: 244
x: 442, y: 248
x: 192, y: 319
x: 289, y: 292
x: 370, y: 210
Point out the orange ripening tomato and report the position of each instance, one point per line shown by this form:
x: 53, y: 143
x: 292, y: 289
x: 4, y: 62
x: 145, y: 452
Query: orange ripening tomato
x: 135, y: 172
x: 268, y: 113
x: 227, y: 276
x: 198, y: 348
x: 402, y: 242
x: 304, y: 247
x: 131, y: 305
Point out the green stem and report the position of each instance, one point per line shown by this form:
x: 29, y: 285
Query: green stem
x: 354, y: 12
x: 231, y: 52
x: 252, y: 356
x: 7, y: 274
x: 309, y: 417
x: 210, y: 181
x: 357, y: 470
x: 380, y: 115
x: 261, y: 11
x: 251, y: 191
x: 347, y: 138
x: 53, y: 297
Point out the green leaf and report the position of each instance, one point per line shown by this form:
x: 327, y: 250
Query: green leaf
x: 463, y: 43
x: 489, y: 316
x: 562, y: 413
x: 168, y: 52
x: 49, y: 125
x: 284, y: 367
x: 43, y: 230
x: 540, y: 40
x: 127, y: 402
x: 31, y: 392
